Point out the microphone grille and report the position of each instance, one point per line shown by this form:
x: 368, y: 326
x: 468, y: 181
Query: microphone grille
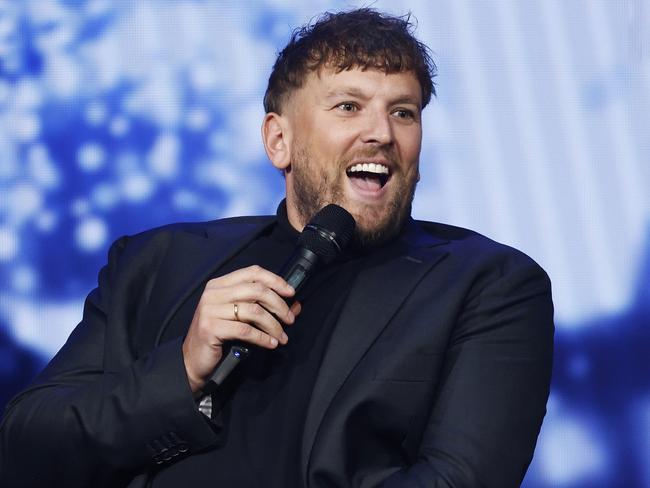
x: 328, y: 232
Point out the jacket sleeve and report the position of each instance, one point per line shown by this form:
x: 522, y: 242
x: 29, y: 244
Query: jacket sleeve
x: 80, y: 424
x: 492, y: 397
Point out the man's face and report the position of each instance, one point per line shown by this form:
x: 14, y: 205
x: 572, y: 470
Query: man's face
x: 355, y: 141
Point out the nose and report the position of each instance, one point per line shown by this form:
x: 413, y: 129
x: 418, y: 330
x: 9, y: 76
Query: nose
x: 377, y: 129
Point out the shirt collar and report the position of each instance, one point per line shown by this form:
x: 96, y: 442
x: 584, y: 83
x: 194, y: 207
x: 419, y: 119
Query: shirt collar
x: 285, y: 229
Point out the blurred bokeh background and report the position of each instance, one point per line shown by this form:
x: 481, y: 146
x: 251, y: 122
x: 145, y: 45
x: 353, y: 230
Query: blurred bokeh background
x: 117, y: 116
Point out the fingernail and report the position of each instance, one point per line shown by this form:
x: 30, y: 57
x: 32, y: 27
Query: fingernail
x: 274, y: 341
x: 285, y: 338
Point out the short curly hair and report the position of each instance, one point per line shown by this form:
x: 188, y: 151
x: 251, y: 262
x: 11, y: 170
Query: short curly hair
x: 362, y: 38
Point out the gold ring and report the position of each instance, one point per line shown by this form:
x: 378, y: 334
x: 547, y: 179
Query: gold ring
x: 235, y: 309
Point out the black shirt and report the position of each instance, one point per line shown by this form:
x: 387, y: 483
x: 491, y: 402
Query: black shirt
x: 262, y: 405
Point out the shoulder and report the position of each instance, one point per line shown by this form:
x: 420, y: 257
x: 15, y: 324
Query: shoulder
x: 158, y: 239
x: 487, y: 275
x: 202, y: 228
x: 470, y: 249
x: 206, y: 227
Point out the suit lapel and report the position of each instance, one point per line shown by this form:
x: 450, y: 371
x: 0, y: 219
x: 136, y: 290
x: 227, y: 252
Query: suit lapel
x: 376, y: 296
x: 189, y: 261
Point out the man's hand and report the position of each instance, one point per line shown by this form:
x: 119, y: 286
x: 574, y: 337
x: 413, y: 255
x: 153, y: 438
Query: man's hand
x: 258, y: 294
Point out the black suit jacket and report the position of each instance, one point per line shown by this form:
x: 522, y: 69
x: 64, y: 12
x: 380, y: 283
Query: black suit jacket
x: 437, y: 372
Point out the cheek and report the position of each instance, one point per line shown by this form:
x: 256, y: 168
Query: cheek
x: 335, y: 134
x: 410, y: 146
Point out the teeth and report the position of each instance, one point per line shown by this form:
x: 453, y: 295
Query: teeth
x: 369, y: 168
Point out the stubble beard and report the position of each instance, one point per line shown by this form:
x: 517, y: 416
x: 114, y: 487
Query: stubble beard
x: 375, y: 225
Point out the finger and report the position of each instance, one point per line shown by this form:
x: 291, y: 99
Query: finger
x: 212, y: 316
x: 252, y: 274
x: 257, y: 316
x: 241, y: 331
x: 296, y: 308
x: 267, y: 298
x: 251, y: 292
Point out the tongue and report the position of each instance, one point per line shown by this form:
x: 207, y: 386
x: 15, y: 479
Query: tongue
x: 366, y: 182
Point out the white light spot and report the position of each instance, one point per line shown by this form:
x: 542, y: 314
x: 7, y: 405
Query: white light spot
x: 91, y: 234
x: 41, y: 324
x: 5, y: 91
x: 41, y: 168
x: 163, y: 157
x: 157, y: 98
x: 7, y: 28
x: 27, y: 94
x: 23, y: 279
x: 26, y: 127
x: 570, y: 451
x: 136, y: 187
x: 96, y: 8
x: 197, y: 119
x: 244, y: 126
x: 13, y: 64
x: 184, y: 199
x: 220, y: 174
x: 218, y: 141
x: 91, y: 157
x: 46, y: 221
x: 119, y: 126
x: 8, y: 243
x: 203, y: 76
x: 24, y: 200
x: 9, y: 167
x: 96, y: 113
x: 104, y: 196
x: 62, y: 73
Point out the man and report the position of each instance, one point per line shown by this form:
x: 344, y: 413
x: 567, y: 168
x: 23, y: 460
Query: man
x: 421, y: 357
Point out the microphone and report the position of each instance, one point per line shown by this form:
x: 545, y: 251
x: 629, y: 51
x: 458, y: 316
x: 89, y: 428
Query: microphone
x: 322, y: 240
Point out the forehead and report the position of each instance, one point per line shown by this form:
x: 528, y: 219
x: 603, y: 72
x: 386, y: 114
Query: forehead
x: 330, y: 83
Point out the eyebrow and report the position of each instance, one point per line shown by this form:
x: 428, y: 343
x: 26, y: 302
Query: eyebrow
x: 345, y: 92
x: 407, y: 99
x: 357, y: 93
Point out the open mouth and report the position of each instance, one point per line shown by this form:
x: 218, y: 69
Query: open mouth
x: 368, y: 176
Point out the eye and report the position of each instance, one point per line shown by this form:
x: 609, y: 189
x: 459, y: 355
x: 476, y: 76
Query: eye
x: 404, y: 113
x: 347, y: 107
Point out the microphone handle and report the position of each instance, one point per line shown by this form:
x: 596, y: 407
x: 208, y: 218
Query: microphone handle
x: 299, y: 267
x: 295, y: 272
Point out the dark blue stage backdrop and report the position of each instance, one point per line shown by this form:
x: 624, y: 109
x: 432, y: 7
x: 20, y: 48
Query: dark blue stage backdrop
x: 116, y: 116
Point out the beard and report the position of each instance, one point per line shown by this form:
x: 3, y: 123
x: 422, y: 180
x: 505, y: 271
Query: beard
x: 375, y: 225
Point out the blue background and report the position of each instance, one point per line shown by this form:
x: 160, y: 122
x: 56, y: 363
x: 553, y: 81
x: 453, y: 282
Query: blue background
x: 116, y: 116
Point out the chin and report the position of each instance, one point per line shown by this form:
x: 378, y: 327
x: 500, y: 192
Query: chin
x: 376, y: 226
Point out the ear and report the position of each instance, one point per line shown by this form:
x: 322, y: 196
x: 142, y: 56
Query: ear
x: 276, y: 138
